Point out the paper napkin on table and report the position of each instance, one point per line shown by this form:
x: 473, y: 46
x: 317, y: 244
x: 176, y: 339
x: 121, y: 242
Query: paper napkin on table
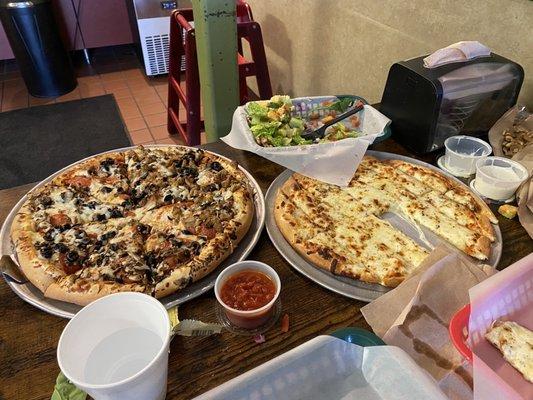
x: 415, y: 317
x: 460, y: 51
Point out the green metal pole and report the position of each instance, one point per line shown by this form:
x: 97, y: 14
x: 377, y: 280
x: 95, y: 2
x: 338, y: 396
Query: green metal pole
x: 216, y: 42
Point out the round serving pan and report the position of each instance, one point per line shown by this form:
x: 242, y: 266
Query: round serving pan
x: 29, y: 293
x: 349, y: 287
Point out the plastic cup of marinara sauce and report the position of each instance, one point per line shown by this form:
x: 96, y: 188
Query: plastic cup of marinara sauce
x: 247, y: 291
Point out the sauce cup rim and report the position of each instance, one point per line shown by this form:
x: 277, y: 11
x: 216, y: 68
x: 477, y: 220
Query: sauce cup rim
x: 252, y: 264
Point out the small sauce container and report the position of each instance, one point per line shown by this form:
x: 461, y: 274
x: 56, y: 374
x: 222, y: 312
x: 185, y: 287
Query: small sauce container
x: 463, y: 152
x: 498, y: 178
x: 250, y: 319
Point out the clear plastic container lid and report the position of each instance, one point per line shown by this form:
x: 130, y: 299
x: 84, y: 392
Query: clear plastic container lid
x: 498, y: 178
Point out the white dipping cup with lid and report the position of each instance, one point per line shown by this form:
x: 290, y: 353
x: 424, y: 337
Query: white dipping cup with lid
x: 463, y: 152
x: 253, y: 318
x: 497, y: 178
x: 116, y: 348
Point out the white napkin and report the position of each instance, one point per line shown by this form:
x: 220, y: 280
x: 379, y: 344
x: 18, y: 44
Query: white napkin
x: 334, y: 162
x: 457, y: 52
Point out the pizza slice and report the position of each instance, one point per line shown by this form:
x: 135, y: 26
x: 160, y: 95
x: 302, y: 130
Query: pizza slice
x: 388, y: 253
x: 111, y: 261
x: 445, y: 186
x: 103, y: 178
x: 515, y: 342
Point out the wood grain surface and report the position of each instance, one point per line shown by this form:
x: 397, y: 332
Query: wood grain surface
x: 28, y: 337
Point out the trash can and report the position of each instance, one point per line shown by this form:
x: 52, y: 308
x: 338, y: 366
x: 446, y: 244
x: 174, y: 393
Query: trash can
x: 34, y: 38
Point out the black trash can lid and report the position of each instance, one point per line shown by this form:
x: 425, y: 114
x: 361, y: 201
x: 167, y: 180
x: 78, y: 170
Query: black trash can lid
x: 21, y: 4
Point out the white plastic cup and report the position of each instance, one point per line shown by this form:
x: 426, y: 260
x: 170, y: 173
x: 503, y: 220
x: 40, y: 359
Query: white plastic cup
x: 116, y: 348
x: 253, y: 318
x: 463, y: 152
x: 498, y: 178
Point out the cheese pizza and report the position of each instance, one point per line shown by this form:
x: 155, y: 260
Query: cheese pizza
x: 149, y: 220
x: 340, y: 229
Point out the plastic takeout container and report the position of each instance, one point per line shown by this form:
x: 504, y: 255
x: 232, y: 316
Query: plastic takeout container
x: 498, y: 178
x: 463, y: 152
x: 353, y: 364
x: 117, y: 348
x: 253, y: 318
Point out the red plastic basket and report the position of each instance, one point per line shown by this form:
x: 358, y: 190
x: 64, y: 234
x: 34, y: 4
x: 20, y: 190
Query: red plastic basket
x: 459, y: 332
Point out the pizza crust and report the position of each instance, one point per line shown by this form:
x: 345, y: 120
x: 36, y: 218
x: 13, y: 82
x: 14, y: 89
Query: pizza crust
x: 63, y: 292
x: 48, y: 277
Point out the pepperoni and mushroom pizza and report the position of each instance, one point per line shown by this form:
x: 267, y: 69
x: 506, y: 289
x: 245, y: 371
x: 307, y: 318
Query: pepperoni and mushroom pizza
x: 340, y: 229
x: 146, y: 219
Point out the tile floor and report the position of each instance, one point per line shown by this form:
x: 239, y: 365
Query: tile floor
x: 142, y: 100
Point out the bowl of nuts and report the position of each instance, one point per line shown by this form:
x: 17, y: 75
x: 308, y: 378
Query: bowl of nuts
x: 512, y: 133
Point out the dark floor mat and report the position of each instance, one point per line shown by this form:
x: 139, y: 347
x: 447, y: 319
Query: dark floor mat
x: 35, y: 142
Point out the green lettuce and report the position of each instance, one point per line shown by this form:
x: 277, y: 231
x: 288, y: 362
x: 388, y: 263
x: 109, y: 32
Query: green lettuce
x: 65, y: 390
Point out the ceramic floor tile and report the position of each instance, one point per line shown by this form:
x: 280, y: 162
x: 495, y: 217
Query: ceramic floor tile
x: 159, y: 132
x: 38, y: 101
x: 74, y: 95
x: 129, y: 111
x: 150, y: 109
x: 126, y: 101
x: 123, y: 93
x: 114, y: 85
x: 156, y: 119
x: 112, y: 76
x: 146, y: 99
x: 91, y: 89
x: 134, y: 124
x: 141, y: 136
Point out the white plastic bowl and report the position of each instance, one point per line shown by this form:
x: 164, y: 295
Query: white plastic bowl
x: 463, y: 152
x: 252, y: 318
x: 117, y: 348
x: 498, y: 178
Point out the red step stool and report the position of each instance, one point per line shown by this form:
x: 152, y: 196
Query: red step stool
x: 183, y: 43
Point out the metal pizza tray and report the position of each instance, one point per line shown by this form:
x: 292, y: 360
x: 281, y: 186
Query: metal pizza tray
x: 29, y: 293
x: 349, y: 287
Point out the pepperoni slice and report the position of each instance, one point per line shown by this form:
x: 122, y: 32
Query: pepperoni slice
x: 66, y: 266
x: 210, y: 233
x: 59, y: 219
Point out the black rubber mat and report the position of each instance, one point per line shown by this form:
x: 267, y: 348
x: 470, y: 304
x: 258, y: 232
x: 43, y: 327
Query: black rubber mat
x: 37, y: 141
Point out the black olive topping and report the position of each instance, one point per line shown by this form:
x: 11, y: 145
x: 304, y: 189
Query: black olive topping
x: 46, y: 201
x: 49, y: 235
x: 61, y: 247
x: 186, y: 232
x: 46, y: 251
x: 126, y: 203
x: 65, y: 227
x: 168, y: 198
x: 91, y: 205
x: 100, y: 217
x: 108, y: 235
x: 120, y: 189
x: 98, y: 244
x: 188, y: 171
x: 143, y: 229
x: 216, y: 166
x: 72, y: 256
x: 212, y: 187
x: 106, y: 189
x: 151, y: 260
x: 85, y: 241
x: 116, y: 213
x: 114, y: 247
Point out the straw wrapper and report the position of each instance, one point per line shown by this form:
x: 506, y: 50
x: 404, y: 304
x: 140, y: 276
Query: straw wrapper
x: 415, y: 316
x: 333, y: 163
x: 506, y: 296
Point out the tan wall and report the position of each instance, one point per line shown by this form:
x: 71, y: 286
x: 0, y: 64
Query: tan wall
x: 319, y: 47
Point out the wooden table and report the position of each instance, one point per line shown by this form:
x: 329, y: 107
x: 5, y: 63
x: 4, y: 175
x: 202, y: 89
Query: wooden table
x: 28, y: 337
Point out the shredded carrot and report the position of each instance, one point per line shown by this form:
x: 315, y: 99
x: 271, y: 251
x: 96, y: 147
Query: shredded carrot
x: 285, y: 323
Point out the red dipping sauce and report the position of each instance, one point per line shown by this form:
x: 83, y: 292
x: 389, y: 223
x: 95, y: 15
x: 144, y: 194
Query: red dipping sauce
x: 247, y: 290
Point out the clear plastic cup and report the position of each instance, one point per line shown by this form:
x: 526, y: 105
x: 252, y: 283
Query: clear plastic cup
x: 116, y: 348
x: 253, y: 318
x: 463, y: 152
x: 498, y: 178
